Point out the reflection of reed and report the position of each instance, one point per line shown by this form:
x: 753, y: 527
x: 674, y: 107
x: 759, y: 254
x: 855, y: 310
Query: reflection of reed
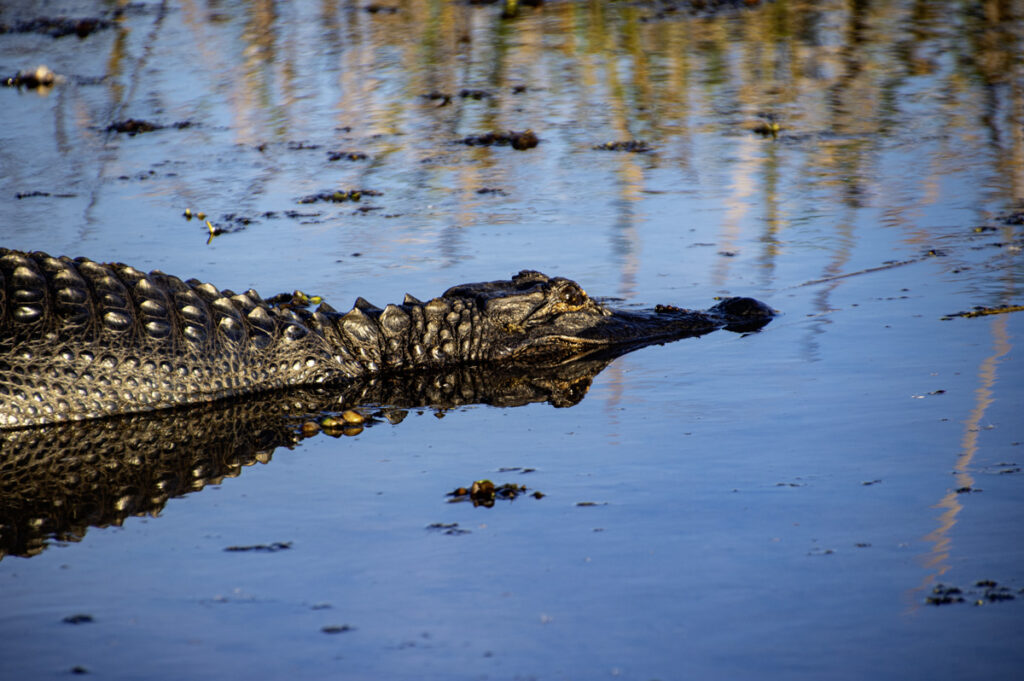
x: 839, y: 76
x: 950, y: 504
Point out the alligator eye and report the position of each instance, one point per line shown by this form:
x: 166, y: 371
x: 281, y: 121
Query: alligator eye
x: 574, y: 296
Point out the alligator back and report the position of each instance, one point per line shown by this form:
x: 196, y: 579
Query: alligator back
x: 80, y: 339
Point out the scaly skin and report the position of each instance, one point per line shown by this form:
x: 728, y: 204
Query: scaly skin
x: 82, y: 340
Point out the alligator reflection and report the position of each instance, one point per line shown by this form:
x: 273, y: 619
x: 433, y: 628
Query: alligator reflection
x: 57, y: 481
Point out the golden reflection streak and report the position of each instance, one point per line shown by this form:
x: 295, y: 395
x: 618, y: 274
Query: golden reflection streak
x: 950, y: 504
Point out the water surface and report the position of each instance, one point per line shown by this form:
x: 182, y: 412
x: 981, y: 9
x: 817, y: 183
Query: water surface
x: 771, y: 505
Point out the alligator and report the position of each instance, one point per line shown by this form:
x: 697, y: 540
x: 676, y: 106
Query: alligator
x: 81, y: 339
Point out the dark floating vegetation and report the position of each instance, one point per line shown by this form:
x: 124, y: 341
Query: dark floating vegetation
x: 485, y: 493
x: 1014, y: 218
x: 337, y: 628
x: 346, y: 156
x: 527, y: 139
x: 301, y: 145
x: 34, y: 194
x: 465, y: 93
x: 448, y: 528
x: 985, y: 591
x: 136, y: 126
x: 264, y: 548
x: 59, y: 27
x: 469, y: 93
x: 339, y: 196
x: 981, y: 311
x: 40, y: 77
x: 635, y: 146
x: 769, y: 128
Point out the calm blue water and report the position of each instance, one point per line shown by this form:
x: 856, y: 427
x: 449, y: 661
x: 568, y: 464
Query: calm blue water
x: 733, y: 534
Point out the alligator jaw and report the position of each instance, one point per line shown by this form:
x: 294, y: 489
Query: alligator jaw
x: 620, y: 331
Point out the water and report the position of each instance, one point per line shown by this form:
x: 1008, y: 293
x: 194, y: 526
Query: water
x: 776, y: 505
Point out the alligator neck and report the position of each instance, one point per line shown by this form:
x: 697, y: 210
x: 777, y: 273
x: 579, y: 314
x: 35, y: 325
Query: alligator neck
x: 412, y: 335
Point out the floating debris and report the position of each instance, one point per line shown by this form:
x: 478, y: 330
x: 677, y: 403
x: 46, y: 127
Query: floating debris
x: 767, y: 127
x: 467, y: 93
x: 40, y: 77
x: 991, y: 592
x: 444, y: 97
x: 33, y: 194
x: 635, y: 146
x: 944, y: 595
x: 58, y: 27
x: 980, y: 311
x: 485, y: 493
x: 293, y: 300
x: 1015, y: 218
x: 266, y: 548
x: 448, y: 528
x: 135, y: 126
x: 339, y: 196
x: 527, y: 139
x: 353, y: 417
x: 349, y: 423
x: 337, y: 628
x: 346, y: 156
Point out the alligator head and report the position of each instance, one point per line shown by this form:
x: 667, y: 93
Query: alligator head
x: 527, y: 318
